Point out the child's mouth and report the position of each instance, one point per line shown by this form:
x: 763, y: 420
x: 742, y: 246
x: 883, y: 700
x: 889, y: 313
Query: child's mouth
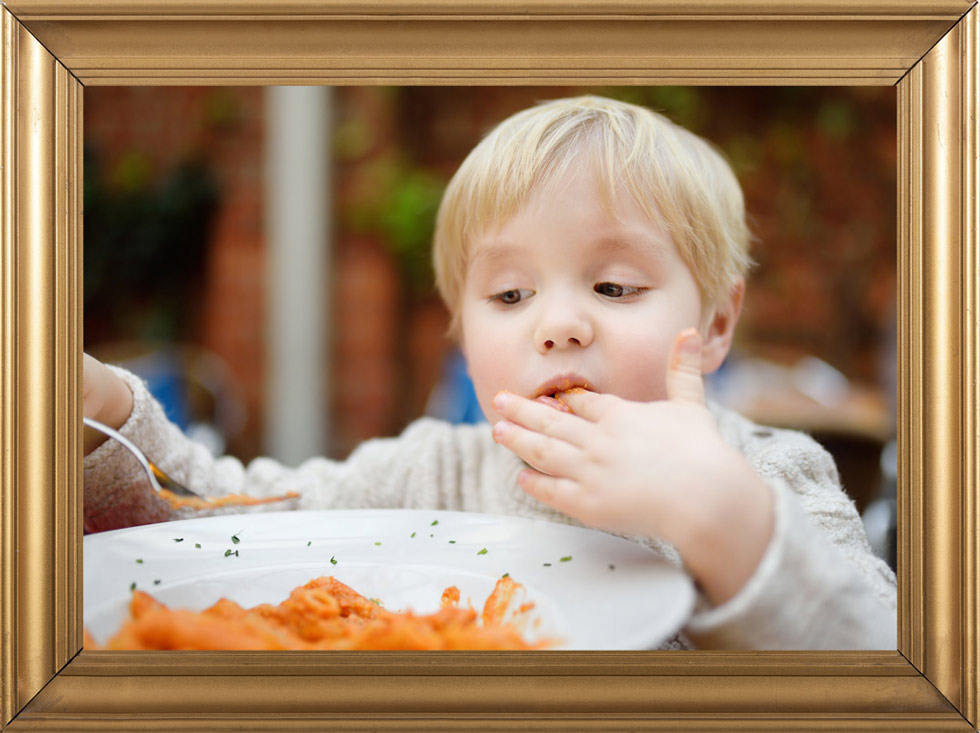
x: 566, y: 382
x: 556, y: 399
x: 552, y: 401
x: 553, y: 391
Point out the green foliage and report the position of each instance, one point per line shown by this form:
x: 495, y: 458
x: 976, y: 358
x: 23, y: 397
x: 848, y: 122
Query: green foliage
x: 836, y: 119
x: 145, y: 245
x: 408, y: 224
x: 400, y: 205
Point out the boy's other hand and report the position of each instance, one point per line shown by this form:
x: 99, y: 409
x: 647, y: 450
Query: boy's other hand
x: 105, y: 397
x: 656, y: 469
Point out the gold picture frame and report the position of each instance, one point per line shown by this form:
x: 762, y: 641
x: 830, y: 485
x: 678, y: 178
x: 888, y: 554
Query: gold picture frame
x: 51, y: 49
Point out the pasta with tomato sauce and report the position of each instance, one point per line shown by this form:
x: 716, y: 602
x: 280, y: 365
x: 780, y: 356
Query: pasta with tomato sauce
x: 326, y: 614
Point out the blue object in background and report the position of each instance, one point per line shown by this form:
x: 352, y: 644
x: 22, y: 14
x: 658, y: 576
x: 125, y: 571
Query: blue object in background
x: 168, y: 390
x: 453, y: 399
x: 163, y: 373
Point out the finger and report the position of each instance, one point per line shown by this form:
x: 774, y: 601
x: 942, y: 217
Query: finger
x: 539, y: 417
x: 547, y: 454
x: 557, y: 492
x: 684, y: 380
x: 584, y: 403
x: 550, y: 401
x: 90, y: 376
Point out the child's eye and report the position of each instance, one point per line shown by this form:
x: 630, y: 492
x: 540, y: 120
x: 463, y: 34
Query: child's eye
x: 615, y: 290
x: 512, y: 297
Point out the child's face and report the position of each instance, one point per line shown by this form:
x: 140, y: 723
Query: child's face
x: 564, y: 295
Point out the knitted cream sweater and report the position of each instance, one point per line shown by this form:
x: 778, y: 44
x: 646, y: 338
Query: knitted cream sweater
x: 818, y: 585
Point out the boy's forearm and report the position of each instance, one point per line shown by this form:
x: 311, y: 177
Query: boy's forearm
x: 727, y: 539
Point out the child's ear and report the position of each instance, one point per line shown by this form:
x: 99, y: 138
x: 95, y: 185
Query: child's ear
x: 717, y: 337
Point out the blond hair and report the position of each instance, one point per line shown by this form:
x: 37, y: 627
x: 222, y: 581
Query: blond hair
x: 674, y: 176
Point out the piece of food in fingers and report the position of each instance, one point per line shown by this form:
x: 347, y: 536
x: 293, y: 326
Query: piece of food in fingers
x: 558, y: 400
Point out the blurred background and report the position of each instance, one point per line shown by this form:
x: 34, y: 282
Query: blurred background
x: 261, y: 257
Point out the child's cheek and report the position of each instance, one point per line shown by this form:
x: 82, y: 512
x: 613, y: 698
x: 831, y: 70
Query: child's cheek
x: 642, y: 375
x: 486, y: 384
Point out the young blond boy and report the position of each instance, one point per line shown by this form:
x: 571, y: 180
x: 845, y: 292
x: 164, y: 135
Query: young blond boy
x: 584, y: 243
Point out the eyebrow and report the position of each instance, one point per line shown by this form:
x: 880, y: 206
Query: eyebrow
x: 491, y: 253
x: 488, y: 254
x: 627, y: 244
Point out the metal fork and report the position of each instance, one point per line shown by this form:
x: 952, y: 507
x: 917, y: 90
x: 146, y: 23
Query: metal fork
x: 158, y: 479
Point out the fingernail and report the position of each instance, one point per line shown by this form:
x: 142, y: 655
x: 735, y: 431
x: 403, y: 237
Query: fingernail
x: 501, y: 400
x: 691, y: 342
x: 499, y: 429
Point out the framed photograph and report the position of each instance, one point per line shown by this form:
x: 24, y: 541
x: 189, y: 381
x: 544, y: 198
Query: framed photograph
x: 52, y: 49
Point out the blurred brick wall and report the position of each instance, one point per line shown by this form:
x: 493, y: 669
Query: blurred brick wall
x: 386, y: 350
x: 828, y: 292
x: 224, y: 126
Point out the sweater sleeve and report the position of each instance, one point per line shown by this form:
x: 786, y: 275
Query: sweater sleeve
x: 432, y: 464
x: 818, y: 585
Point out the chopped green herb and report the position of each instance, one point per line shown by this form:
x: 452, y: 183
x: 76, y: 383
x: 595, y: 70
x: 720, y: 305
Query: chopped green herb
x: 434, y: 522
x: 375, y: 601
x: 412, y: 535
x: 132, y: 586
x: 309, y: 543
x: 567, y: 558
x: 197, y: 545
x: 452, y: 542
x: 547, y: 564
x: 332, y: 560
x: 156, y: 582
x: 178, y: 539
x: 376, y: 544
x: 482, y: 552
x: 431, y: 535
x: 231, y: 552
x: 235, y: 539
x: 139, y: 560
x: 505, y: 575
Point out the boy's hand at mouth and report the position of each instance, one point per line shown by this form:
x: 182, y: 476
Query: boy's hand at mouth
x: 658, y: 469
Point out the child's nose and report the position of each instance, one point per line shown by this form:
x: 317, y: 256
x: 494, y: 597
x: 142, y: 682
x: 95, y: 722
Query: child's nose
x: 563, y: 328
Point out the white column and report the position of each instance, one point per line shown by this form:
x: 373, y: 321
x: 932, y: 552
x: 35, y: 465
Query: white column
x: 298, y: 226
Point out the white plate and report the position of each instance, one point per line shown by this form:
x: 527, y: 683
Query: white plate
x: 607, y: 592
